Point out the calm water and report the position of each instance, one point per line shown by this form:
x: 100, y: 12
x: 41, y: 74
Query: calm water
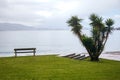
x: 49, y: 41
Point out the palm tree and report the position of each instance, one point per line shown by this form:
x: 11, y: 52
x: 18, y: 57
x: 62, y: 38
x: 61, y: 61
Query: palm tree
x: 108, y: 29
x: 74, y: 22
x: 100, y: 32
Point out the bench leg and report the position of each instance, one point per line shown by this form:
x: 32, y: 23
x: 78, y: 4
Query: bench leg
x: 15, y: 54
x: 34, y: 53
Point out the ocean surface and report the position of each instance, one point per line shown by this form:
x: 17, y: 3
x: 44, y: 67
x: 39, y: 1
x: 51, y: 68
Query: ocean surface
x: 49, y: 42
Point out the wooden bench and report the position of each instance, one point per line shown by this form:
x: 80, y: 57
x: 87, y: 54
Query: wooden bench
x: 69, y: 55
x: 25, y: 50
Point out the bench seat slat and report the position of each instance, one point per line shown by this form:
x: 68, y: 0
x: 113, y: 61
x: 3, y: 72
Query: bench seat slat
x: 26, y: 52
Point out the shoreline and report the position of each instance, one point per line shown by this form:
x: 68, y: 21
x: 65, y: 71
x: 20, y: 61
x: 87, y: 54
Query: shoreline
x: 106, y: 55
x: 111, y: 56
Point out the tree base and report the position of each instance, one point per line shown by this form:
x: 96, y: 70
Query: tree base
x: 94, y: 59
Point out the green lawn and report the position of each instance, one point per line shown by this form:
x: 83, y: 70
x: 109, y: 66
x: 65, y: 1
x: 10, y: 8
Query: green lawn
x: 57, y: 68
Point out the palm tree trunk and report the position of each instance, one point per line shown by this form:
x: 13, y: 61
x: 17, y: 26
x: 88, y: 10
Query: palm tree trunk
x: 94, y: 58
x: 80, y: 38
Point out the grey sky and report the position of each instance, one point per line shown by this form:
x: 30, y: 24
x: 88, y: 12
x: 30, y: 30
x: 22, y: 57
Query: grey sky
x: 55, y: 13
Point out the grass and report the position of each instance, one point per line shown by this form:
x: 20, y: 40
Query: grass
x: 57, y: 68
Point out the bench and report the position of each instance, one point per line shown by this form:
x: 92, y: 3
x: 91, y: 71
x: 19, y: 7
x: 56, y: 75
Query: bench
x: 25, y: 50
x: 69, y: 55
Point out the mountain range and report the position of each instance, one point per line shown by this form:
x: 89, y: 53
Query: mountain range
x: 16, y: 27
x: 13, y: 27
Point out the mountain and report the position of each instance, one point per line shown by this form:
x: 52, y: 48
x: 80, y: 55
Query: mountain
x: 14, y: 27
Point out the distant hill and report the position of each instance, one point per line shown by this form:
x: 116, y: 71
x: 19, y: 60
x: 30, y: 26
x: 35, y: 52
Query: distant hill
x: 14, y: 27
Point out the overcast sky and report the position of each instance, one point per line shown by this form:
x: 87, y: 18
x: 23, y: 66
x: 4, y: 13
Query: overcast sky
x: 55, y: 13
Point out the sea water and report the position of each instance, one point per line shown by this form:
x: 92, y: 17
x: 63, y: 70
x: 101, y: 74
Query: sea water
x: 49, y: 42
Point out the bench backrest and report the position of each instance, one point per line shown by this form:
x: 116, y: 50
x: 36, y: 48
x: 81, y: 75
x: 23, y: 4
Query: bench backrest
x: 25, y: 49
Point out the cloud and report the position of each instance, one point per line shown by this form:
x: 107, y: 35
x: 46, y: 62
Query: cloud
x: 3, y: 3
x: 54, y: 12
x: 44, y: 13
x: 117, y: 16
x: 117, y: 20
